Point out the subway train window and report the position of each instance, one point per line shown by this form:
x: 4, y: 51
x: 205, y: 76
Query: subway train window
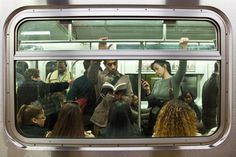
x: 118, y: 98
x: 142, y: 34
x: 155, y: 79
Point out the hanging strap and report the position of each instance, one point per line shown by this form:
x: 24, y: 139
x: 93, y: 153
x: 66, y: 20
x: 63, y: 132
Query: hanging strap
x: 115, y: 79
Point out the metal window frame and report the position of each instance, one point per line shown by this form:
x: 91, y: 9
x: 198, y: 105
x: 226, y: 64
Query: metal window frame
x: 90, y: 12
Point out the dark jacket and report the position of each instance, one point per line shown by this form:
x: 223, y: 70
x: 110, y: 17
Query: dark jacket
x: 33, y: 131
x: 83, y: 88
x: 210, y: 101
x: 31, y: 91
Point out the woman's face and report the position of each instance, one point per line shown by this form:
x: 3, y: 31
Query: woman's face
x: 188, y: 98
x: 40, y: 119
x: 159, y: 70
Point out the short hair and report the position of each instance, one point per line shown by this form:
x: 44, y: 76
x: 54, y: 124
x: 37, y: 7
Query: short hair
x: 31, y: 73
x: 61, y: 62
x: 176, y: 119
x: 161, y: 63
x: 105, y: 61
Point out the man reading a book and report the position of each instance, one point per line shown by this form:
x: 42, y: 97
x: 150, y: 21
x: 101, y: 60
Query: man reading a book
x: 109, y: 75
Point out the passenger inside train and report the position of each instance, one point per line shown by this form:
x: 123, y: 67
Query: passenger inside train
x: 176, y: 119
x: 83, y: 91
x: 69, y: 123
x: 31, y: 120
x: 121, y: 123
x: 110, y: 75
x: 165, y: 88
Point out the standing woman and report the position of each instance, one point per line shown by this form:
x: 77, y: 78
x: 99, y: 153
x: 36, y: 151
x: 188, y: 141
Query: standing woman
x: 164, y: 89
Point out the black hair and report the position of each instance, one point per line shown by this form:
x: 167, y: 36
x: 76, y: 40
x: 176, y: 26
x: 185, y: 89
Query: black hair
x: 105, y: 61
x: 120, y: 120
x: 86, y: 64
x: 62, y: 61
x: 31, y: 73
x: 162, y: 63
x: 184, y: 93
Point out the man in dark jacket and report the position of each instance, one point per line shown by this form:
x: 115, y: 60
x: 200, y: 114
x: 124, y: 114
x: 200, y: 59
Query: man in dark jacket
x: 210, y: 100
x: 83, y: 91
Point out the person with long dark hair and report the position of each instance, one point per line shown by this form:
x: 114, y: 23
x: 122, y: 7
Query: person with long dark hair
x: 121, y: 122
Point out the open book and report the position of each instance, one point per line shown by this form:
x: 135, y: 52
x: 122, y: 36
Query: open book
x: 108, y: 87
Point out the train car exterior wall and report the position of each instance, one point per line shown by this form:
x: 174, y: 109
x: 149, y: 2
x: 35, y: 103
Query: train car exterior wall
x: 226, y: 149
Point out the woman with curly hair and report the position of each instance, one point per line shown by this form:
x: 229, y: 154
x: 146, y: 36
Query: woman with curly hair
x: 176, y: 119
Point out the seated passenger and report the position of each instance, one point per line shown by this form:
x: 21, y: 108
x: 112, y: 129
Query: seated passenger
x: 176, y: 119
x: 69, y: 122
x: 121, y: 122
x: 61, y: 74
x: 31, y: 119
x: 187, y: 97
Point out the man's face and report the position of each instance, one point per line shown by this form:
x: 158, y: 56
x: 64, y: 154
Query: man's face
x: 111, y: 65
x: 61, y: 68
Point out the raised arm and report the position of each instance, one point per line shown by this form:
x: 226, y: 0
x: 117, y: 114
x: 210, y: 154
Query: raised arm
x: 183, y: 63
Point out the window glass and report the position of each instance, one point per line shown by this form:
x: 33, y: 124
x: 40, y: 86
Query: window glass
x: 155, y: 98
x: 139, y: 34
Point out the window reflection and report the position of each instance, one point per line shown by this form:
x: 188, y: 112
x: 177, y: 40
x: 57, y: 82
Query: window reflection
x: 44, y: 35
x: 101, y: 89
